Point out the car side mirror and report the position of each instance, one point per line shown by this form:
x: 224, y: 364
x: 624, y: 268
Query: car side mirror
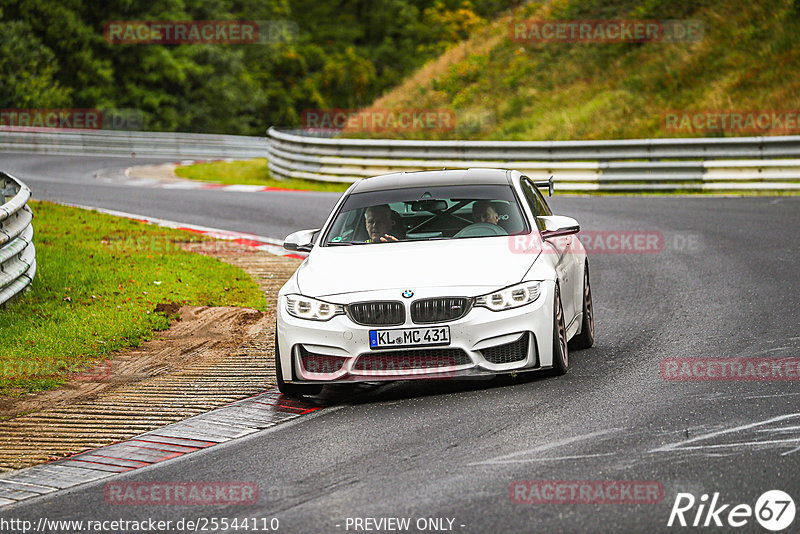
x: 545, y: 184
x: 558, y: 225
x: 302, y: 241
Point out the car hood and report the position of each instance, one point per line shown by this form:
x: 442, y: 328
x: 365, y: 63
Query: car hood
x: 485, y: 261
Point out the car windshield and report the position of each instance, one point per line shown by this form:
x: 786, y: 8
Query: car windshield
x: 431, y: 213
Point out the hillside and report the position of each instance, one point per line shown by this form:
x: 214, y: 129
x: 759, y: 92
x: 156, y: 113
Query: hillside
x: 746, y: 60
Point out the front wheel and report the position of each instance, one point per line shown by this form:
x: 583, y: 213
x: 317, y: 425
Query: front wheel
x: 585, y: 339
x: 291, y: 390
x: 560, y: 351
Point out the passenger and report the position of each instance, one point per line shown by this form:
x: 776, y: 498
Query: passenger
x: 379, y: 223
x: 483, y: 211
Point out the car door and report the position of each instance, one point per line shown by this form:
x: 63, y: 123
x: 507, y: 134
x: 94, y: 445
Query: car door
x: 561, y: 247
x: 573, y: 265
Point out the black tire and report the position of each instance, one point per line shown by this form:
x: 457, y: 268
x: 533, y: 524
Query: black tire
x: 585, y: 339
x: 291, y: 390
x: 560, y: 350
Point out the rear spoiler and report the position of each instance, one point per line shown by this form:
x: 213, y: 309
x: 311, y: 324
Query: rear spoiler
x: 545, y: 183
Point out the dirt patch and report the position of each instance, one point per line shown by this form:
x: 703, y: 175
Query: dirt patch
x: 202, y: 335
x: 211, y: 357
x: 168, y: 308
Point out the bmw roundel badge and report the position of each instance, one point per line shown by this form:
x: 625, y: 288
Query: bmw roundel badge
x: 408, y: 294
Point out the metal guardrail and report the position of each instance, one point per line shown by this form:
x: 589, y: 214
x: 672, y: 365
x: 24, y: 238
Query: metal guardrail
x: 17, y: 253
x: 694, y: 164
x: 130, y: 143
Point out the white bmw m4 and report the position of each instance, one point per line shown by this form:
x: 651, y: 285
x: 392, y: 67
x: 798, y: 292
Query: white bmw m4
x: 433, y: 274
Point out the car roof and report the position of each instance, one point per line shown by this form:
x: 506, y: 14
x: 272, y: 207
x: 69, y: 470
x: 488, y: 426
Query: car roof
x: 403, y: 180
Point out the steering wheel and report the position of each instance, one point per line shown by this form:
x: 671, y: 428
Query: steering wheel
x: 481, y: 229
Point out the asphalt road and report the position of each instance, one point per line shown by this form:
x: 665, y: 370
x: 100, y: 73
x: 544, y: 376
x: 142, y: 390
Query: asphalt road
x: 71, y: 179
x: 723, y: 286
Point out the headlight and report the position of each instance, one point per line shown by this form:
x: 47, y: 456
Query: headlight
x: 510, y: 297
x: 313, y: 309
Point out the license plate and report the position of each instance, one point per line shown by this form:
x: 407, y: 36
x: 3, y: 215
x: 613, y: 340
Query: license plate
x: 409, y: 337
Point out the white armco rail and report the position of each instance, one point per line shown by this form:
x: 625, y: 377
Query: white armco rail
x: 690, y: 164
x: 131, y: 144
x: 17, y: 254
x: 716, y: 164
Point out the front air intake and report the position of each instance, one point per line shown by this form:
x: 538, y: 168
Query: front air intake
x: 377, y: 313
x: 439, y: 309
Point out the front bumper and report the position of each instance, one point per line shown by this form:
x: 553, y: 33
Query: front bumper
x: 338, y: 350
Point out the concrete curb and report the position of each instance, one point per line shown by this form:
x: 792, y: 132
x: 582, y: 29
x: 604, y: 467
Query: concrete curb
x: 230, y: 422
x: 267, y: 244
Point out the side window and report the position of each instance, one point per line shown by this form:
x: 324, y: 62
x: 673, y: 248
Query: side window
x: 346, y: 226
x: 536, y: 205
x: 545, y: 209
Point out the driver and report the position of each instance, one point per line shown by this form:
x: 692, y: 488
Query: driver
x: 379, y: 223
x: 482, y: 211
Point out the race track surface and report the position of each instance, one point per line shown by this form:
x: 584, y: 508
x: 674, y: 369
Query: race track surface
x: 724, y: 285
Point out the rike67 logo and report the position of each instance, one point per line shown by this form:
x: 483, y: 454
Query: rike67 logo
x: 774, y: 510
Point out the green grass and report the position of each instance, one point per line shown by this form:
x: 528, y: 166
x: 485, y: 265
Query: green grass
x: 98, y: 282
x: 558, y: 91
x: 250, y: 172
